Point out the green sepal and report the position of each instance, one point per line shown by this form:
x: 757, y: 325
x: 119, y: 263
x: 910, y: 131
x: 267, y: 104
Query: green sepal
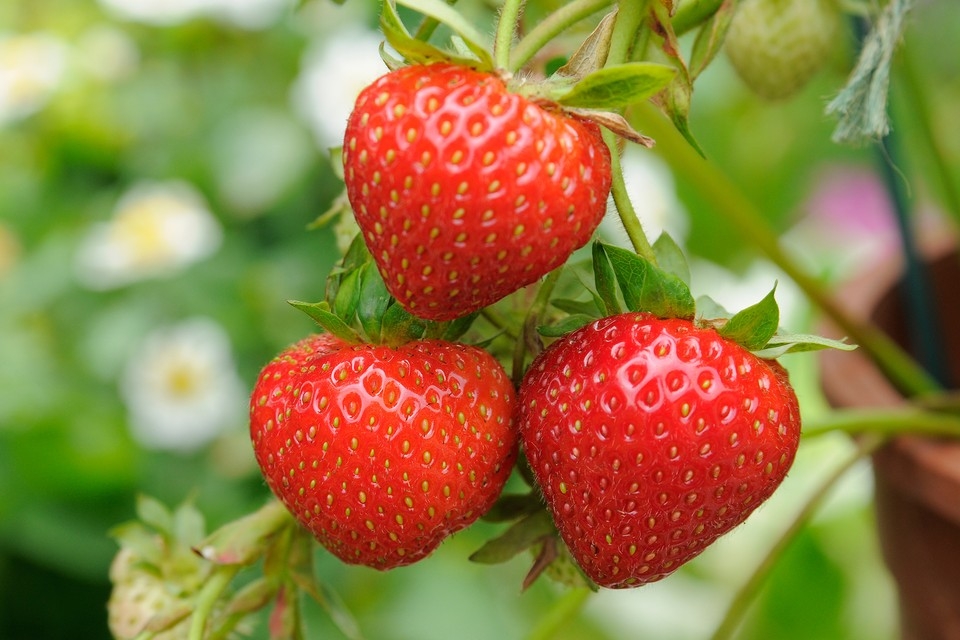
x: 648, y: 288
x: 782, y: 344
x: 245, y: 540
x: 618, y: 86
x: 670, y: 257
x: 373, y: 303
x: 454, y: 329
x: 710, y: 37
x: 418, y: 51
x: 565, y: 326
x: 578, y: 307
x: 753, y: 327
x: 511, y: 506
x: 606, y: 281
x: 400, y: 326
x: 348, y: 294
x: 709, y: 309
x: 518, y: 537
x: 321, y: 314
x: 592, y: 52
x: 155, y: 514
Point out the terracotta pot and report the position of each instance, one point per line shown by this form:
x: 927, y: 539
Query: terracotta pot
x: 917, y: 479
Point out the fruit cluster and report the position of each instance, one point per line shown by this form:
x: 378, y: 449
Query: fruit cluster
x: 648, y: 436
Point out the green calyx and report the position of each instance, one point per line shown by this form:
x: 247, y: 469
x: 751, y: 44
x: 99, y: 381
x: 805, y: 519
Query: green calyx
x: 626, y: 282
x: 359, y: 309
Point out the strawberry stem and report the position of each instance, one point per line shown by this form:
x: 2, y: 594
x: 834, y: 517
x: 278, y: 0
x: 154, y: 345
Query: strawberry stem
x: 564, y: 610
x: 692, y: 13
x: 630, y: 17
x: 743, y: 215
x: 207, y: 599
x: 529, y: 340
x: 550, y: 27
x: 628, y: 215
x: 747, y: 593
x: 506, y: 28
x: 887, y: 421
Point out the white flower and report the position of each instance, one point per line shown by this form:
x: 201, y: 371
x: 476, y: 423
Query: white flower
x: 32, y: 67
x: 107, y: 53
x: 182, y: 388
x: 653, y: 194
x: 250, y: 14
x: 158, y: 228
x: 334, y: 72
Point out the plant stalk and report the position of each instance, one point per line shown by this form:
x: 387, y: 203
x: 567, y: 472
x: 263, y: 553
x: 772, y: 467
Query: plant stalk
x: 560, y: 614
x: 550, y: 27
x: 741, y: 213
x: 749, y: 590
x: 887, y: 421
x: 506, y: 28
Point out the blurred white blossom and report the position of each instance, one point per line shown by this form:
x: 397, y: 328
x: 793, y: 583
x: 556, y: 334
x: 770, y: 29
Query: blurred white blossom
x: 653, y: 193
x: 333, y: 73
x: 32, y: 67
x: 158, y: 228
x: 107, y: 53
x: 182, y: 388
x: 250, y: 14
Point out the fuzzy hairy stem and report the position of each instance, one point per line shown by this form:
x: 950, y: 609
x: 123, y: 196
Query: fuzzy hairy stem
x: 550, y: 27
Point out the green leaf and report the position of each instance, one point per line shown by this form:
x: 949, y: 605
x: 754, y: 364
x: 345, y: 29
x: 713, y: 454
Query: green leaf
x: 458, y: 23
x: 565, y: 326
x: 511, y: 506
x: 670, y: 257
x: 648, y: 288
x: 329, y: 321
x: 520, y: 536
x: 754, y: 326
x: 373, y: 301
x: 606, y: 280
x: 618, y: 86
x: 782, y: 344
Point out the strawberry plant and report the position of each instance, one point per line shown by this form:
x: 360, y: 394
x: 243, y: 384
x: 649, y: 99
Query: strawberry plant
x: 474, y: 362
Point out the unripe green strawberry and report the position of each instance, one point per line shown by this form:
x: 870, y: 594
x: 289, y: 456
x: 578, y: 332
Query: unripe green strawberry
x: 139, y: 596
x: 382, y: 452
x: 776, y: 46
x: 466, y: 192
x: 651, y: 438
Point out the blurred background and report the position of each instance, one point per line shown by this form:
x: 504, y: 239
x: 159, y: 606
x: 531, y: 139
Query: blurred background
x: 160, y: 161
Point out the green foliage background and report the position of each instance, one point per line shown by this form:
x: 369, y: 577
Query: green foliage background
x: 70, y: 469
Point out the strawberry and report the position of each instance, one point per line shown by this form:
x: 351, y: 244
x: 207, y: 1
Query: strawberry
x: 650, y: 438
x: 382, y: 452
x: 464, y: 191
x: 776, y: 46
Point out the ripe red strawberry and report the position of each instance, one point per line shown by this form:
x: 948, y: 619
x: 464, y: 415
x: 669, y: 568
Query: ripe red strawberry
x: 466, y: 192
x: 650, y: 439
x: 383, y: 452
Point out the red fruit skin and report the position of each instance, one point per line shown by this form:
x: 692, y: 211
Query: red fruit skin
x: 383, y: 452
x: 465, y: 192
x: 652, y: 438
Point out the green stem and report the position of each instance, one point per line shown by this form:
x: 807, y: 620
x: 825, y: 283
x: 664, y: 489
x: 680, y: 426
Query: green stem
x: 742, y: 214
x: 500, y: 322
x: 628, y: 215
x: 506, y: 28
x: 918, y: 104
x: 529, y: 332
x: 207, y: 599
x: 748, y: 592
x: 630, y: 15
x: 693, y: 13
x: 565, y: 609
x: 888, y: 422
x: 550, y: 27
